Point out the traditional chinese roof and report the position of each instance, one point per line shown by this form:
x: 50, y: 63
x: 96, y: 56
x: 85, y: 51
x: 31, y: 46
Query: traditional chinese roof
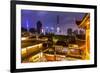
x: 84, y: 23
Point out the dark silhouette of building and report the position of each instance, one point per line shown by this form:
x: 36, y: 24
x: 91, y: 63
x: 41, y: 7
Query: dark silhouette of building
x: 69, y: 32
x: 75, y: 32
x: 81, y: 32
x: 39, y: 27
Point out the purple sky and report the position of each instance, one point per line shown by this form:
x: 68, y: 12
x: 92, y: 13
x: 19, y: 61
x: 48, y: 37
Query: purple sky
x: 49, y: 19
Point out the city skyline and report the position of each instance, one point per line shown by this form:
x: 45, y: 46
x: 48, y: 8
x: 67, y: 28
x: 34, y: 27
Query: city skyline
x: 49, y: 20
x: 54, y: 36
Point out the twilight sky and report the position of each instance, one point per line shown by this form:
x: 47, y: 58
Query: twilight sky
x: 49, y: 19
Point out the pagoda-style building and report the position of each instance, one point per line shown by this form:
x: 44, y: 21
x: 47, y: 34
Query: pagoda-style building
x: 85, y: 24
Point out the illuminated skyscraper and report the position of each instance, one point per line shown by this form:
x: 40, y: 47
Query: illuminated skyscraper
x: 57, y: 26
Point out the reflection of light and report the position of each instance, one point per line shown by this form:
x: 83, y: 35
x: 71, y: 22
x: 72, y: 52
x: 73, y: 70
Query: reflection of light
x: 88, y: 22
x: 35, y: 46
x: 42, y: 30
x: 27, y: 26
x: 40, y: 45
x: 65, y: 49
x: 34, y: 58
x: 24, y: 50
x: 52, y: 28
x: 58, y: 29
x: 23, y: 38
x: 73, y: 50
x: 41, y: 54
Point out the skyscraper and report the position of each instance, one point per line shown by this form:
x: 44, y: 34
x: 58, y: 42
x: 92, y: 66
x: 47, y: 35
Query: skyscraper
x: 57, y: 26
x: 39, y: 27
x: 69, y: 31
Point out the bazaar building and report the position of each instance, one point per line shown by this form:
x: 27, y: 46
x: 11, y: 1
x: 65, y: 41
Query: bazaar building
x: 85, y: 24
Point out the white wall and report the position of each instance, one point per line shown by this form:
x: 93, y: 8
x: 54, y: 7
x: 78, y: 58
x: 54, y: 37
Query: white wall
x: 5, y: 37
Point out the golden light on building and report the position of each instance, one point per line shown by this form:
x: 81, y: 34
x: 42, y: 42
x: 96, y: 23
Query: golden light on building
x: 29, y: 50
x: 85, y: 24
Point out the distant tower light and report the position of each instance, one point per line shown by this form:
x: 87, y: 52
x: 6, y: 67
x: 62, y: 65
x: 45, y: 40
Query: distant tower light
x: 27, y: 26
x: 46, y: 27
x: 52, y: 28
x: 42, y: 30
x: 58, y: 29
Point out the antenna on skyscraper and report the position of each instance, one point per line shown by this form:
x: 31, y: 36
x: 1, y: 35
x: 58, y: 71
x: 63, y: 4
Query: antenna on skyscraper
x: 57, y: 19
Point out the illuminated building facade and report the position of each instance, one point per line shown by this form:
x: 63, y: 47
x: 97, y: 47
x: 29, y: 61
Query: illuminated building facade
x: 85, y: 24
x: 57, y: 26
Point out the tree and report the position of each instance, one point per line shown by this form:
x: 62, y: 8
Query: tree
x: 23, y: 29
x: 32, y: 30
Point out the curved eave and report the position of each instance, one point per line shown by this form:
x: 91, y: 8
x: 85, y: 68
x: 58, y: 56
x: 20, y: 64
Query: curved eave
x: 82, y: 24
